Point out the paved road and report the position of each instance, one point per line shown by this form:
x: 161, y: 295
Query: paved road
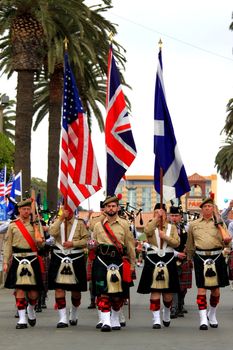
x: 182, y: 334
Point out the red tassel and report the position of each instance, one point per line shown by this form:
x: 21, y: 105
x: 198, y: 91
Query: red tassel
x: 126, y: 275
x: 55, y: 306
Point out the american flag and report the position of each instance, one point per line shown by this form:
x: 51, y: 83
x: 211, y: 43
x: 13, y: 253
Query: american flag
x: 2, y: 182
x: 121, y: 149
x: 79, y: 175
x: 9, y: 184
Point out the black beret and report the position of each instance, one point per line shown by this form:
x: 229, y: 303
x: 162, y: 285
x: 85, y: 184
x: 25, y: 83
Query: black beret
x: 158, y: 206
x: 206, y: 200
x: 174, y: 210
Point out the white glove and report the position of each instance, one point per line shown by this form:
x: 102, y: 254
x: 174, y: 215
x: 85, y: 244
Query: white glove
x: 146, y: 246
x: 50, y: 241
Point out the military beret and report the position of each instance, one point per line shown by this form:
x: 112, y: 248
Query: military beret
x: 110, y: 199
x: 205, y: 201
x: 26, y: 202
x: 174, y: 210
x: 158, y: 206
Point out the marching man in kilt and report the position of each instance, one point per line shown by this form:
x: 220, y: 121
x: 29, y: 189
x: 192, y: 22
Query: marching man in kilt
x: 67, y: 270
x: 113, y: 265
x: 205, y: 245
x: 23, y: 265
x: 159, y: 276
x: 184, y: 267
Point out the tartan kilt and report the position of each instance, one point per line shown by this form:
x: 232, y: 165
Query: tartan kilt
x: 185, y: 275
x: 146, y: 279
x: 221, y: 269
x: 230, y: 265
x: 90, y: 259
x: 11, y: 278
x: 99, y: 276
x: 46, y: 260
x: 79, y: 266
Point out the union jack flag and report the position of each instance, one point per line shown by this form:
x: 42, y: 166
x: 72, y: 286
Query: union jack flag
x: 121, y: 149
x: 79, y: 175
x: 2, y: 182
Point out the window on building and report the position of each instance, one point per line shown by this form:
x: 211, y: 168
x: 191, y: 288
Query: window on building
x: 146, y: 198
x: 132, y: 197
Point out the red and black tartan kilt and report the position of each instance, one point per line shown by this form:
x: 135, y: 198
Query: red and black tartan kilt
x: 90, y: 259
x: 185, y: 275
x: 230, y: 265
x: 46, y: 260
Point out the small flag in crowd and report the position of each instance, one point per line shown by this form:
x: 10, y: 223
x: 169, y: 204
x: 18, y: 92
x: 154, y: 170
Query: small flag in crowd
x: 16, y: 190
x: 79, y: 175
x: 2, y: 182
x: 167, y: 155
x: 9, y: 184
x: 120, y: 146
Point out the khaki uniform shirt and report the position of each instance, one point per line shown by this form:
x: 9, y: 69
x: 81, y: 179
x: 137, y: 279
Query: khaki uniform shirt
x: 15, y: 238
x: 80, y: 235
x: 94, y: 220
x: 122, y: 232
x: 203, y: 234
x: 173, y: 240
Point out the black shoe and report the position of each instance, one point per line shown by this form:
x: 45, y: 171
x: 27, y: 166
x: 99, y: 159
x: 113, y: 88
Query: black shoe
x: 92, y: 306
x: 43, y: 306
x: 106, y: 328
x: 214, y: 325
x: 73, y: 322
x: 166, y: 323
x: 32, y: 322
x: 123, y: 324
x: 99, y: 325
x: 21, y: 326
x: 185, y: 311
x: 62, y: 325
x: 203, y: 327
x: 156, y: 326
x: 173, y: 314
x: 116, y: 328
x: 180, y: 313
x: 38, y: 308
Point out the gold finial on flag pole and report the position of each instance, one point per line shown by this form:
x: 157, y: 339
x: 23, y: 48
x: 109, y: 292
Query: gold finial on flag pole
x: 66, y: 43
x: 160, y: 44
x: 111, y: 37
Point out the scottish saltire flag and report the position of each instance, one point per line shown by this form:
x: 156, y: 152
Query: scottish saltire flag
x: 120, y: 146
x: 167, y: 155
x: 16, y: 190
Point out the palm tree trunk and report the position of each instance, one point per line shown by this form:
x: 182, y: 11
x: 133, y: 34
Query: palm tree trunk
x: 24, y: 114
x: 55, y: 104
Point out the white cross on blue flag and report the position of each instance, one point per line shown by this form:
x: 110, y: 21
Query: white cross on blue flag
x: 167, y: 155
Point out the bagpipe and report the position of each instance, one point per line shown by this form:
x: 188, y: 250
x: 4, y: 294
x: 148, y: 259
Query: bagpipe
x: 130, y: 213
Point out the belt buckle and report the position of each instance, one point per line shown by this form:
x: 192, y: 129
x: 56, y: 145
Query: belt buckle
x: 112, y: 254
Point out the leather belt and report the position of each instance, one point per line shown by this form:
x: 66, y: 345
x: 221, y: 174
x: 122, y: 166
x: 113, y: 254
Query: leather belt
x: 68, y: 251
x: 210, y: 252
x: 25, y: 254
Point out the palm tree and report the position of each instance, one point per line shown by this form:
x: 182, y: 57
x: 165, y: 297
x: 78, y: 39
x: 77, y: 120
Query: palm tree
x: 7, y: 116
x: 28, y: 26
x: 87, y: 33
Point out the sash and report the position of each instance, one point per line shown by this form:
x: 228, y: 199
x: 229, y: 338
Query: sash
x: 168, y: 232
x: 30, y: 241
x: 71, y: 235
x: 126, y: 272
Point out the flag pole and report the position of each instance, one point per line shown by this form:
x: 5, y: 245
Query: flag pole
x: 160, y: 43
x: 65, y: 199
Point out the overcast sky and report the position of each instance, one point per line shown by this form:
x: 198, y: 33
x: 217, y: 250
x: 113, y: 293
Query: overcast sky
x: 198, y: 77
